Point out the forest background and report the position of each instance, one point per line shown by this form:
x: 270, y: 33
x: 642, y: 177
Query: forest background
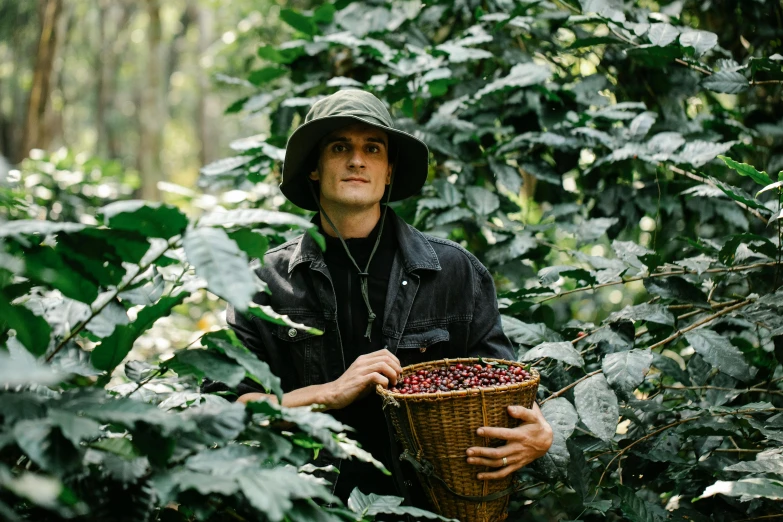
x: 614, y: 164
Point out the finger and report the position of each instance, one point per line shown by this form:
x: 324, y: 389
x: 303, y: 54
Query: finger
x: 499, y: 474
x: 524, y: 414
x: 498, y: 433
x: 490, y: 453
x: 377, y: 378
x: 382, y: 356
x: 384, y: 369
x: 493, y: 463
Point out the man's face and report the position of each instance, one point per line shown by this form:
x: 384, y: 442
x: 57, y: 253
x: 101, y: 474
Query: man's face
x: 353, y: 168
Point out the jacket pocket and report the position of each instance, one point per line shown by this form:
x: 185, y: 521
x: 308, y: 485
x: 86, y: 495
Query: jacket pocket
x: 302, y: 346
x: 429, y: 345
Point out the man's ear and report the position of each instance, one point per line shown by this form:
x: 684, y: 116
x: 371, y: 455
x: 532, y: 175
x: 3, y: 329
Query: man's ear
x: 389, y: 174
x: 314, y: 176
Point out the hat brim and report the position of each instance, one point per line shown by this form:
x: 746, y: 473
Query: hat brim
x: 410, y: 172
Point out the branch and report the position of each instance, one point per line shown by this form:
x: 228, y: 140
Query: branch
x: 747, y: 390
x: 704, y: 321
x: 561, y: 392
x: 706, y: 181
x: 117, y: 291
x: 659, y: 274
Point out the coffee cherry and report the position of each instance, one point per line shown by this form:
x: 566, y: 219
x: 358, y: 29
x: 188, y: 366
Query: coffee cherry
x: 460, y: 377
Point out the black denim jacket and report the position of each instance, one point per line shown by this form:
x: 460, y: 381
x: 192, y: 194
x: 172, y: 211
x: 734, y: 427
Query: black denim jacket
x: 440, y: 303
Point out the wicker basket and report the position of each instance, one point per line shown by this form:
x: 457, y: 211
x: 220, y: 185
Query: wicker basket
x: 436, y: 429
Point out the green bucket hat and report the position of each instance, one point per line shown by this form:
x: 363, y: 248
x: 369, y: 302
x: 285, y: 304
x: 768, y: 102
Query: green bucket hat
x: 334, y: 112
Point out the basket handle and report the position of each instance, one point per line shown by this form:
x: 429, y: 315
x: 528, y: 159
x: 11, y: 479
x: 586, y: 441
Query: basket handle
x: 425, y: 468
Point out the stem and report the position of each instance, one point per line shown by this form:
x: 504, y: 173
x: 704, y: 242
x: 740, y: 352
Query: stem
x: 747, y: 390
x: 660, y: 274
x: 673, y: 425
x: 695, y: 325
x: 706, y: 181
x: 561, y: 392
x: 116, y: 292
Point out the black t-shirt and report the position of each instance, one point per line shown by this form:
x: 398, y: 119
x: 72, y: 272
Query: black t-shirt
x: 364, y: 415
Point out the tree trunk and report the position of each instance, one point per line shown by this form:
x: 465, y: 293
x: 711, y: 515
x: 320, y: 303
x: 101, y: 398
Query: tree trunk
x: 34, y: 129
x: 208, y: 105
x: 153, y: 109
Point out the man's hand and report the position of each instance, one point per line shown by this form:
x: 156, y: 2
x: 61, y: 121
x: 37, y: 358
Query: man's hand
x: 524, y: 444
x: 380, y: 367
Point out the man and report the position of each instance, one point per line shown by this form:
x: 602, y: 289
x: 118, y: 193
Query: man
x: 384, y: 294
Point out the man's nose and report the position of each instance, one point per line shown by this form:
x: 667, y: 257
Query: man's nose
x: 356, y: 159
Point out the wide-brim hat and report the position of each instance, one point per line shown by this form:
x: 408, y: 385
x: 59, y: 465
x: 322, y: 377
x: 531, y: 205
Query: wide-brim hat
x: 335, y: 112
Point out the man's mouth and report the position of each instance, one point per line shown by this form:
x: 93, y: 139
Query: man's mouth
x: 356, y: 179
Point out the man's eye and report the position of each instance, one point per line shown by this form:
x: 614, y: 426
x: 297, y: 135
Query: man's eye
x: 374, y: 148
x: 339, y: 148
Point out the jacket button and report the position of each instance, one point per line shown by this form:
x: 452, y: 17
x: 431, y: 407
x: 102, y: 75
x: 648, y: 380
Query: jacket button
x: 404, y: 283
x: 292, y: 332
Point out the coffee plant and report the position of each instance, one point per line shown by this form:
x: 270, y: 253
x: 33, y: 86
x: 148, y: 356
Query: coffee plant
x: 615, y: 164
x: 608, y: 162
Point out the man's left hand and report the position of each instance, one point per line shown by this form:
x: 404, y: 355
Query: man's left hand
x: 524, y: 444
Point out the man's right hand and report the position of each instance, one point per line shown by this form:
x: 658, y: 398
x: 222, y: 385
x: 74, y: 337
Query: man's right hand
x: 381, y: 367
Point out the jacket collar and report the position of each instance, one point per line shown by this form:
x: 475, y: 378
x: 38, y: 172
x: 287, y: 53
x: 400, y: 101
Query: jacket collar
x: 416, y: 251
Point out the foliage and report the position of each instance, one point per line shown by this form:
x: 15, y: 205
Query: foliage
x: 74, y: 299
x: 577, y: 148
x: 590, y: 147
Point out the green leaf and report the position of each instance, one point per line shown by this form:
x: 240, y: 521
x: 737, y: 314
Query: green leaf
x: 770, y: 464
x: 29, y: 227
x: 324, y: 14
x: 776, y: 185
x: 245, y: 217
x: 298, y: 21
x: 448, y: 192
x: 266, y: 75
x: 282, y: 56
x: 267, y: 314
x: 46, y: 446
x: 217, y: 422
x: 662, y: 34
x: 653, y: 55
x: 747, y: 489
x: 113, y: 349
x: 256, y: 369
x: 45, y: 265
x: 699, y: 152
x: 372, y: 505
x: 148, y: 293
x: 120, y: 446
x: 460, y: 54
x: 653, y: 313
x: 482, y: 201
x: 17, y: 370
x: 74, y: 428
x: 39, y: 489
x: 720, y: 353
x: 634, y: 508
x: 561, y: 415
x: 676, y: 288
x: 520, y: 75
x: 250, y: 242
x: 219, y: 260
x: 147, y: 218
x: 762, y: 178
x: 700, y: 41
x: 561, y: 351
x: 626, y: 370
x: 729, y: 82
x: 32, y: 331
x: 207, y: 363
x: 272, y: 491
x: 737, y: 194
x: 597, y: 406
x: 225, y: 165
x: 526, y: 333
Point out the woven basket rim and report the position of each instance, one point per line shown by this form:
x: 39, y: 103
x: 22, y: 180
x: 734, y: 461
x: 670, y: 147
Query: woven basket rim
x: 534, y: 379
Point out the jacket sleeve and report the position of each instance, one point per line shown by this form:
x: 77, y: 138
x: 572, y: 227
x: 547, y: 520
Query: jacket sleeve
x: 486, y: 337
